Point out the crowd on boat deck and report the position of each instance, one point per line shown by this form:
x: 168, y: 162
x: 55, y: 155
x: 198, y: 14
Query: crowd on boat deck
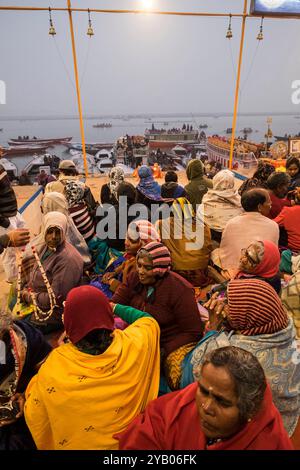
x: 161, y: 317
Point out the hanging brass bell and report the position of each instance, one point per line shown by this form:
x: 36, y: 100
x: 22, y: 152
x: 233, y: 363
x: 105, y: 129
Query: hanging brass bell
x: 52, y: 31
x: 260, y: 35
x: 90, y: 31
x: 229, y: 34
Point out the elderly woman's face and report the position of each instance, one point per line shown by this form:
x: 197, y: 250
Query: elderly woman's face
x: 53, y: 238
x: 145, y: 270
x: 248, y: 260
x: 216, y: 402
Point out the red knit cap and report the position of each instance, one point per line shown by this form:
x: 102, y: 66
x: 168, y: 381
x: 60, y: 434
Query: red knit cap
x: 86, y: 309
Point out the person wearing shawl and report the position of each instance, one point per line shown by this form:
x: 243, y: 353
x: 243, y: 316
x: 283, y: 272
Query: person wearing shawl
x: 74, y: 192
x: 230, y: 407
x: 122, y: 215
x: 148, y: 190
x: 108, y: 246
x: 221, y: 203
x: 101, y: 379
x: 261, y: 260
x: 290, y: 297
x: 53, y: 202
x: 139, y: 234
x: 198, y: 183
x: 188, y: 241
x: 164, y: 294
x: 255, y: 320
x: 63, y: 268
x: 25, y: 349
x: 68, y: 173
x: 171, y: 188
x: 108, y: 194
x: 244, y: 229
x: 259, y: 179
x: 56, y: 202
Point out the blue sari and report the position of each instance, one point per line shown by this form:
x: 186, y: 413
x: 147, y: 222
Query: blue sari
x: 105, y: 287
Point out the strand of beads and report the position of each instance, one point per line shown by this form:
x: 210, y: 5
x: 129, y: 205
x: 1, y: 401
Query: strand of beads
x: 39, y: 314
x: 19, y: 280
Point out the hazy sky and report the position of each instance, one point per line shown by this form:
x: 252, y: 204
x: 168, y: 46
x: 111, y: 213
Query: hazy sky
x: 144, y: 64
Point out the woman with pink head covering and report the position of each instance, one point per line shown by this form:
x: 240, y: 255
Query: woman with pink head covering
x: 139, y: 233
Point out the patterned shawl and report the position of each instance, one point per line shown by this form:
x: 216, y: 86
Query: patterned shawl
x: 116, y: 177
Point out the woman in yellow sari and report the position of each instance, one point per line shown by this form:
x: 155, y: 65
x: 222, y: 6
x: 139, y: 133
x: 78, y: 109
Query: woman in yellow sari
x: 92, y: 387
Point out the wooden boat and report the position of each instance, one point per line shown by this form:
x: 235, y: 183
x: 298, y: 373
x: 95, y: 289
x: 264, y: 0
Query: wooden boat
x: 35, y: 141
x: 91, y: 148
x: 22, y: 150
x: 102, y: 125
x: 159, y: 138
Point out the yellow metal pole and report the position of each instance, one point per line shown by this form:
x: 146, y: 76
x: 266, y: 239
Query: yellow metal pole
x: 237, y: 86
x: 77, y: 89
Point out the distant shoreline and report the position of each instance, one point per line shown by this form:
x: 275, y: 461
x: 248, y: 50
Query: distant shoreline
x: 143, y: 116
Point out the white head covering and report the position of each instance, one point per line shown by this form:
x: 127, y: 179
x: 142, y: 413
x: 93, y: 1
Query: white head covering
x: 223, y: 180
x: 56, y: 202
x: 55, y: 219
x: 221, y: 203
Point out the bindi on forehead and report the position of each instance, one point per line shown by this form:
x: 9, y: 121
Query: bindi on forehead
x: 217, y: 380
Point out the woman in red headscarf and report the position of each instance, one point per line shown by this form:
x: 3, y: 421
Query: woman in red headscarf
x: 261, y: 260
x: 230, y: 407
x: 93, y: 386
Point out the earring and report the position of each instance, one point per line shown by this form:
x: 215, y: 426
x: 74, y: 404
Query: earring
x: 249, y: 420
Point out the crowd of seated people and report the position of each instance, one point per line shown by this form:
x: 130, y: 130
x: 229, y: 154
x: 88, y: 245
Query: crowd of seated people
x: 156, y: 289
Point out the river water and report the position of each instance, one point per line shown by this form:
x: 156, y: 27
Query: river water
x: 50, y: 128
